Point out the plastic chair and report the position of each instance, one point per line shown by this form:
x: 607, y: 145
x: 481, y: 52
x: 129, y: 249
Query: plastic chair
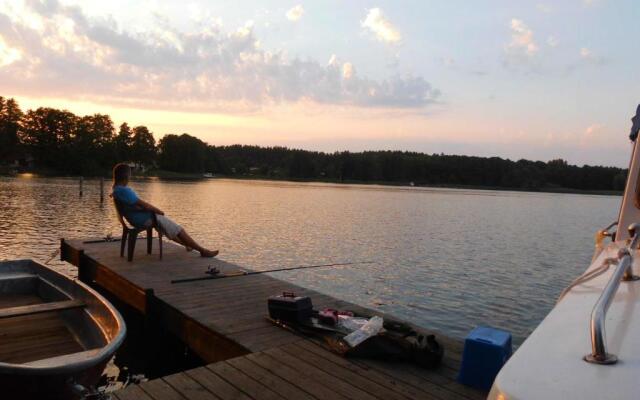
x: 130, y: 233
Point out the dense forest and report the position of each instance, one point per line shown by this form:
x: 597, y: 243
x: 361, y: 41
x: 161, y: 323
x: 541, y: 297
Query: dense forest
x: 58, y: 141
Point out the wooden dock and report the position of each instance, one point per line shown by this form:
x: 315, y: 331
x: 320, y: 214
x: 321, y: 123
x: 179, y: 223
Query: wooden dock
x: 223, y: 322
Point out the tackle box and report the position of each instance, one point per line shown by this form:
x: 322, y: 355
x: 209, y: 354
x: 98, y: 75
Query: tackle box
x: 289, y: 307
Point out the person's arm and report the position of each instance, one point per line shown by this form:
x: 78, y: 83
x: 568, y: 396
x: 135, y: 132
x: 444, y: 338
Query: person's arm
x: 149, y: 207
x: 128, y: 196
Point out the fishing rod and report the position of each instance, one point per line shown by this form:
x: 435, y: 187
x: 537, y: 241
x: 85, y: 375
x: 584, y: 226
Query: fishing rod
x: 214, y: 273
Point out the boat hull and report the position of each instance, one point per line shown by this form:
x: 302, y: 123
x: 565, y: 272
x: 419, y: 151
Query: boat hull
x: 57, y: 333
x: 54, y: 386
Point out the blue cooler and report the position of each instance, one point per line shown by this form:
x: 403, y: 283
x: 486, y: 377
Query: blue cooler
x: 486, y: 350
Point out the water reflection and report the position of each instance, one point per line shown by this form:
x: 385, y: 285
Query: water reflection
x: 446, y: 259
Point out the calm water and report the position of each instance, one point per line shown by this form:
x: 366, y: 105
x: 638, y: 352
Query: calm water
x: 446, y: 259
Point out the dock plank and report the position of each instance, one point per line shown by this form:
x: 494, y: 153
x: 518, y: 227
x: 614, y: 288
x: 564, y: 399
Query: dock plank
x: 274, y: 382
x: 188, y: 387
x: 158, y: 389
x: 215, y: 384
x: 132, y: 392
x: 293, y: 376
x: 242, y: 381
x: 341, y: 371
x: 313, y: 372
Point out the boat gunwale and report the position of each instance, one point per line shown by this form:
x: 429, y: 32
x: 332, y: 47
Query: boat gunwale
x: 59, y: 366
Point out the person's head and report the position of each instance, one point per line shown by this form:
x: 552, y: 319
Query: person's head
x: 121, y: 174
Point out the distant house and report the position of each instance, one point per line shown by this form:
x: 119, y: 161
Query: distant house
x: 137, y: 167
x: 20, y: 161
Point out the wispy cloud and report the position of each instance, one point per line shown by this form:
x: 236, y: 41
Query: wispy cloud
x: 295, y: 13
x: 49, y: 49
x: 587, y: 55
x: 378, y: 24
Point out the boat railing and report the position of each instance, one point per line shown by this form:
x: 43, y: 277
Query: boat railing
x: 622, y: 272
x: 607, y: 233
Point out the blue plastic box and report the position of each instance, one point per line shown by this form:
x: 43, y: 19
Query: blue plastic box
x: 486, y: 350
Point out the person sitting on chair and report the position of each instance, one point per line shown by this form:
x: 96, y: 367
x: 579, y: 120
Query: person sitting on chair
x: 139, y: 212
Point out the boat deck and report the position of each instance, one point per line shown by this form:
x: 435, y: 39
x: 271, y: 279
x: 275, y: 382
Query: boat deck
x: 33, y: 337
x: 223, y: 322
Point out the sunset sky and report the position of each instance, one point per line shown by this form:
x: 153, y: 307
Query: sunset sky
x: 517, y: 79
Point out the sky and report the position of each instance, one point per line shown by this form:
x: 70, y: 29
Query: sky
x: 515, y: 79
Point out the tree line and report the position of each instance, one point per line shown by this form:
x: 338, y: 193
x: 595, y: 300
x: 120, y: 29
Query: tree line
x: 65, y: 143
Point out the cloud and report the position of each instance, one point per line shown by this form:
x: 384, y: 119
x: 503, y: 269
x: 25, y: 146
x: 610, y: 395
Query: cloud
x: 295, y: 13
x: 8, y: 55
x: 594, y: 134
x: 49, y: 49
x: 587, y: 55
x: 347, y: 70
x: 522, y: 42
x: 592, y: 129
x: 378, y: 24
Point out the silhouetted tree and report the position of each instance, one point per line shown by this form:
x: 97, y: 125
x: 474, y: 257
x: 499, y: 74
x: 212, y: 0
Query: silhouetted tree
x: 10, y: 117
x: 48, y: 134
x: 124, y: 142
x: 93, y: 144
x: 143, y: 146
x: 88, y: 145
x: 183, y: 153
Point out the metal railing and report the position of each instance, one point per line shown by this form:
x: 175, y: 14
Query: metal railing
x: 606, y: 233
x: 623, y: 272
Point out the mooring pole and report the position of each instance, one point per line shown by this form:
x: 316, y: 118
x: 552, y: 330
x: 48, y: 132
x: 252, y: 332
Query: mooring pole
x: 81, y: 182
x: 101, y: 190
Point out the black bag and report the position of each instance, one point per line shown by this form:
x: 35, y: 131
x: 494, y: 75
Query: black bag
x: 289, y: 307
x: 422, y: 350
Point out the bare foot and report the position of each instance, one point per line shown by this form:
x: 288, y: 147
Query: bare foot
x: 209, y: 253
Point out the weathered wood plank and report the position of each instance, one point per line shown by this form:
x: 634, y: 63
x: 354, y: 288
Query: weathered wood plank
x: 311, y: 371
x: 216, y: 384
x: 160, y: 390
x: 354, y: 376
x: 267, y: 378
x: 188, y: 387
x: 242, y: 381
x: 32, y: 309
x: 369, y: 373
x: 293, y: 376
x: 132, y: 392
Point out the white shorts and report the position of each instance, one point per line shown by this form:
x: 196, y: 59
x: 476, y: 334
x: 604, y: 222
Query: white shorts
x: 168, y: 228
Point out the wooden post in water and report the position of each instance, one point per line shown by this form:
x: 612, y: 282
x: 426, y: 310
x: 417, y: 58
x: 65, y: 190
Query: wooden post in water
x: 81, y: 183
x: 101, y: 190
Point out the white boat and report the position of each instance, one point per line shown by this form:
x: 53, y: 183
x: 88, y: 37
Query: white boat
x: 568, y: 356
x: 56, y: 333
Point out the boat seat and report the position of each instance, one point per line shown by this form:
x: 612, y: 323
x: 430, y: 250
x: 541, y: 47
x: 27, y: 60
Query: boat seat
x: 12, y: 276
x: 40, y: 308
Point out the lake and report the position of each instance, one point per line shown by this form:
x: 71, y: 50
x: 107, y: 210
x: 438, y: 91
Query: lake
x: 446, y: 259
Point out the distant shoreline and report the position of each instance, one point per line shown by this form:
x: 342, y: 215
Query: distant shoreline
x: 178, y: 176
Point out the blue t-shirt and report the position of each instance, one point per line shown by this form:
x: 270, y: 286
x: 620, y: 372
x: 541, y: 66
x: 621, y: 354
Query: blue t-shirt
x: 131, y: 212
